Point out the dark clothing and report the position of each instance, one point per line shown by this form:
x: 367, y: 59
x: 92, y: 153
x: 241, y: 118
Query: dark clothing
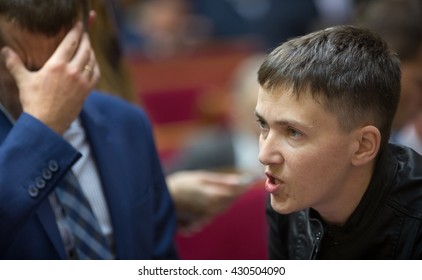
x: 120, y: 137
x: 387, y: 224
x: 270, y: 22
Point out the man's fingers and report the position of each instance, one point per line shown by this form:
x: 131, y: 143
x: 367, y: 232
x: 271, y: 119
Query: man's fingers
x: 82, y: 58
x: 13, y: 63
x: 67, y: 48
x: 225, y: 180
x: 92, y: 70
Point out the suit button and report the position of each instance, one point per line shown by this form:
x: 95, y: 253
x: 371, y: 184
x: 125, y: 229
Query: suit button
x: 40, y: 182
x: 33, y: 191
x: 53, y: 165
x: 46, y: 174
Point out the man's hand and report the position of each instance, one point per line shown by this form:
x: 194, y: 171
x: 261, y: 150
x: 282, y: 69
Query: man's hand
x: 201, y: 195
x: 55, y: 93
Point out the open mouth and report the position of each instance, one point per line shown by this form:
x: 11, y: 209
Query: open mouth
x: 273, y: 180
x: 273, y: 184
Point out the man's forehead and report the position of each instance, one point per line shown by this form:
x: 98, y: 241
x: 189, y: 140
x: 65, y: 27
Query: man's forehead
x: 34, y: 49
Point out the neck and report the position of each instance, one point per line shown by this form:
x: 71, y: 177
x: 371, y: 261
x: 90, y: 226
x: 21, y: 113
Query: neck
x: 342, y: 204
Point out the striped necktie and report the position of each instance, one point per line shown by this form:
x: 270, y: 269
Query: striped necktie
x: 89, y: 242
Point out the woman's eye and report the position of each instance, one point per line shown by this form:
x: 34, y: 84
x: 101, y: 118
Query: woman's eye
x: 294, y: 133
x: 261, y: 123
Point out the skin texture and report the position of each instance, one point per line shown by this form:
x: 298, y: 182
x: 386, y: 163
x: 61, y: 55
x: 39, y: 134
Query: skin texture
x: 310, y: 162
x: 49, y: 82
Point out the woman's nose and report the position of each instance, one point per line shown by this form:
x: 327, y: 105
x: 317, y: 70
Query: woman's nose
x: 269, y: 150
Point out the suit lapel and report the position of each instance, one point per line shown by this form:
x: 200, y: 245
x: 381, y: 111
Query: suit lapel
x: 100, y: 137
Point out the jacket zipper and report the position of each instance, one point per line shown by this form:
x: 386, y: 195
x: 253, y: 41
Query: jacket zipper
x: 317, y: 244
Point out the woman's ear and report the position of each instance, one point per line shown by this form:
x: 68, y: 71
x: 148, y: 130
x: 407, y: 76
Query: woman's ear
x: 91, y: 18
x: 369, y: 142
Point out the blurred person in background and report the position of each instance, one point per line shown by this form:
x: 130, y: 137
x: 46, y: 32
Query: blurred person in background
x: 233, y: 145
x: 333, y: 12
x: 161, y: 29
x: 266, y: 22
x: 411, y: 134
x: 400, y: 23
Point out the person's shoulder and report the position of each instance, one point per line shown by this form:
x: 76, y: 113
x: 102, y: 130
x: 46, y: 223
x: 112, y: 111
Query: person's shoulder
x: 407, y: 189
x: 116, y: 112
x: 100, y: 98
x: 111, y: 104
x: 407, y: 158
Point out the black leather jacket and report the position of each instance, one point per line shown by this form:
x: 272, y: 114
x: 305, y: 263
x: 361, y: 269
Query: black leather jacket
x: 387, y: 224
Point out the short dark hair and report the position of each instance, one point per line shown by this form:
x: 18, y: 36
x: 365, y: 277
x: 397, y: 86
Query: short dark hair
x: 350, y: 70
x: 47, y: 17
x: 399, y: 22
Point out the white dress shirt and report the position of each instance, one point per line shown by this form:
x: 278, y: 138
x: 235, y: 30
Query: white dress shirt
x: 87, y: 175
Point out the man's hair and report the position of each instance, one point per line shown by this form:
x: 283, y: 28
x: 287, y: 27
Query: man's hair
x: 47, y: 17
x: 349, y: 70
x: 399, y: 22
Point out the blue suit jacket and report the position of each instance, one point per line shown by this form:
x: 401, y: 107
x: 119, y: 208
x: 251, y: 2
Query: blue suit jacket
x: 120, y: 136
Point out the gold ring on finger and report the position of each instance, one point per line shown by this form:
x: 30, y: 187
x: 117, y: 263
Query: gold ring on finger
x: 88, y: 68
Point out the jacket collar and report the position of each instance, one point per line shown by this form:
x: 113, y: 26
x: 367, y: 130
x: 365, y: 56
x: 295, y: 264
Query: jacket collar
x: 99, y: 133
x: 379, y: 186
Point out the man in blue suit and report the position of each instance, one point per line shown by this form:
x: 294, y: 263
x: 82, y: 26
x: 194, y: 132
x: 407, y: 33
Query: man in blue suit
x: 51, y: 123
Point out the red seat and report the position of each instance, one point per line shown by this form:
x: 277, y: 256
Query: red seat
x: 238, y: 234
